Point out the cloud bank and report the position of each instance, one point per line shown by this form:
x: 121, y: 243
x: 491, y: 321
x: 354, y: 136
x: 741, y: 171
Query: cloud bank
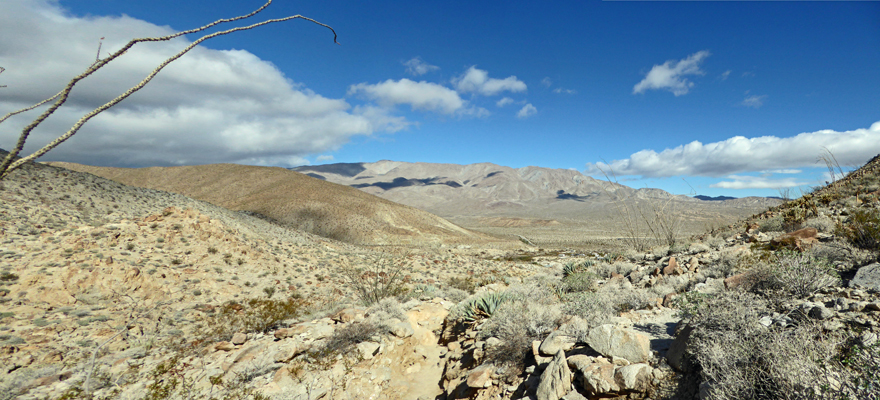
x: 739, y: 154
x: 670, y: 75
x: 209, y: 106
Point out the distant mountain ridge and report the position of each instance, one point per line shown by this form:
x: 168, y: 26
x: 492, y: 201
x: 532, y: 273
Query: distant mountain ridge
x: 486, y: 189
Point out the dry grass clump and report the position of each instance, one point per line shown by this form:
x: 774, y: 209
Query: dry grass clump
x: 791, y: 275
x: 377, y: 278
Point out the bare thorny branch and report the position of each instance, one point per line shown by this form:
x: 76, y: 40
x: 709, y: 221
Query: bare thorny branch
x: 10, y: 163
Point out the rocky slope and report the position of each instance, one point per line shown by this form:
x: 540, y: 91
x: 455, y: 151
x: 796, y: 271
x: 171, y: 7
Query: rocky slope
x: 295, y: 200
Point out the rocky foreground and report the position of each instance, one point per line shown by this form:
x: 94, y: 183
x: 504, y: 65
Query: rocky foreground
x: 110, y: 291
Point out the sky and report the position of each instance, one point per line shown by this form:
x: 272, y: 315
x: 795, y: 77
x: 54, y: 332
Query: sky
x: 712, y: 98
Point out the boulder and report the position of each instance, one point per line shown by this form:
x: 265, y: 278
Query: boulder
x: 672, y: 268
x: 633, y: 378
x: 368, y: 349
x: 557, y: 341
x: 599, y: 378
x: 480, y: 378
x: 401, y: 329
x: 556, y: 379
x: 348, y: 315
x: 800, y: 239
x: 867, y: 277
x: 239, y: 338
x: 611, y: 340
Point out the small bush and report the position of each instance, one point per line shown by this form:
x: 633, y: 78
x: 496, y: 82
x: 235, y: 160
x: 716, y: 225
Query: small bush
x: 579, y: 282
x: 252, y: 315
x: 801, y: 274
x: 862, y: 229
x: 518, y: 322
x: 381, y: 278
x: 387, y: 308
x: 347, y: 337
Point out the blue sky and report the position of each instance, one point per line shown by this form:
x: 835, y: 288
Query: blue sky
x: 727, y: 98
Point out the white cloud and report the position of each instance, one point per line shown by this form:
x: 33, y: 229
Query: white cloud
x: 670, y: 75
x: 547, y: 81
x: 416, y: 66
x: 420, y: 95
x: 754, y: 101
x: 739, y: 154
x: 504, y: 101
x: 325, y: 158
x: 209, y: 106
x: 527, y: 111
x: 564, y: 91
x: 478, y: 81
x: 756, y: 182
x: 785, y: 171
x: 725, y: 75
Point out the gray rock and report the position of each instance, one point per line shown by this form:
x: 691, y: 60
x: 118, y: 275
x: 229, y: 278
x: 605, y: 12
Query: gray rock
x: 820, y: 312
x: 599, y: 378
x: 633, y: 378
x: 556, y: 379
x: 867, y: 277
x: 402, y: 329
x: 611, y: 340
x: 493, y: 341
x: 368, y: 349
x: 555, y: 342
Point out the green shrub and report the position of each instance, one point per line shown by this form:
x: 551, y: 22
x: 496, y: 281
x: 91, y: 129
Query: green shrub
x: 580, y: 281
x: 862, y: 229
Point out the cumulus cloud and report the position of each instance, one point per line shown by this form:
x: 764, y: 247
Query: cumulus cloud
x: 756, y: 182
x: 670, y: 75
x: 754, y: 101
x: 564, y: 91
x: 739, y: 154
x: 416, y: 66
x: 209, y: 106
x: 478, y: 81
x: 527, y: 111
x: 504, y: 101
x: 419, y: 95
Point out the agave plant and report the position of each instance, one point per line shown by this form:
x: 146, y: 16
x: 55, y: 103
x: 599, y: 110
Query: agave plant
x: 572, y: 267
x: 483, y: 306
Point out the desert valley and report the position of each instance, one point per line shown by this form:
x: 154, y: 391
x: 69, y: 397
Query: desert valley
x: 394, y: 280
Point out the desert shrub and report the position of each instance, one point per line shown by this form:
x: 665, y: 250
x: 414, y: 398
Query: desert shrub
x: 581, y: 281
x: 856, y: 374
x: 590, y: 307
x: 773, y: 224
x: 345, y: 338
x: 453, y: 294
x: 573, y: 267
x: 387, y: 308
x: 801, y: 274
x: 518, y: 322
x: 626, y: 299
x: 380, y: 278
x: 821, y: 223
x: 252, y: 315
x: 466, y: 284
x: 862, y: 229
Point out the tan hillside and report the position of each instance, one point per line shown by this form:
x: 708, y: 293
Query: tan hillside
x: 295, y: 200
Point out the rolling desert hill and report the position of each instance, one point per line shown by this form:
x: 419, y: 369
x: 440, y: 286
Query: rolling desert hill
x: 296, y: 201
x: 542, y: 202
